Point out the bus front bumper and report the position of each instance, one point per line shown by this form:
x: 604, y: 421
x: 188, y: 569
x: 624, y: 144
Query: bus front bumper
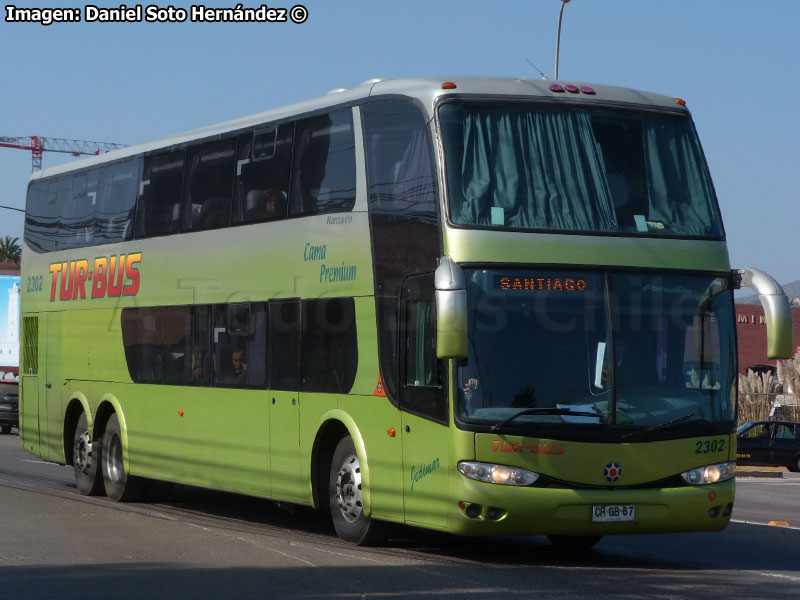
x: 488, y: 509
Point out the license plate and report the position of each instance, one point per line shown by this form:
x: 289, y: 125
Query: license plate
x: 608, y: 513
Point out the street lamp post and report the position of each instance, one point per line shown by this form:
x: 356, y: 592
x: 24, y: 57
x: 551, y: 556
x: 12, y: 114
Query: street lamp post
x: 558, y: 38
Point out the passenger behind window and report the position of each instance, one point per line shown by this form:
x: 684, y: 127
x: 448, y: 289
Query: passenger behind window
x: 236, y: 371
x: 198, y: 365
x: 265, y: 205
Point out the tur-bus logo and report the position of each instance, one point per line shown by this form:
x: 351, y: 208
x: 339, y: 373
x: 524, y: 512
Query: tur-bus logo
x: 110, y: 277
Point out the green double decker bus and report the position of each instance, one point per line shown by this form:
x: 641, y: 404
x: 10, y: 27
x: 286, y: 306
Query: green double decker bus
x: 482, y: 306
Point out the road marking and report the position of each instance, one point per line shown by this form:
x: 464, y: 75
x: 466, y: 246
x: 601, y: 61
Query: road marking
x: 779, y: 576
x: 286, y: 554
x: 763, y: 524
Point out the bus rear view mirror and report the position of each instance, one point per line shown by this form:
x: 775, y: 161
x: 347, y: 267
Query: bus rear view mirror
x: 777, y: 311
x: 451, y: 310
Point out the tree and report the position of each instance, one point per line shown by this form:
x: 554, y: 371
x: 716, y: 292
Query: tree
x: 10, y: 250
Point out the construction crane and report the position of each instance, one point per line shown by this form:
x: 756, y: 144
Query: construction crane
x: 37, y: 145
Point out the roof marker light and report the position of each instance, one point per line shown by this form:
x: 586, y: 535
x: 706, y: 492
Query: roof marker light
x: 448, y: 85
x: 572, y: 89
x: 587, y: 90
x: 680, y: 101
x: 556, y: 88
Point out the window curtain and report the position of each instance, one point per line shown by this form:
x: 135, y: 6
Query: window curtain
x: 679, y: 189
x: 544, y: 170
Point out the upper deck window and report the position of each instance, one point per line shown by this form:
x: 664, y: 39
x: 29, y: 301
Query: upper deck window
x: 518, y: 166
x: 323, y: 168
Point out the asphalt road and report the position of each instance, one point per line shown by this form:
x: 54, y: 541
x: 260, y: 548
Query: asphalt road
x: 55, y: 543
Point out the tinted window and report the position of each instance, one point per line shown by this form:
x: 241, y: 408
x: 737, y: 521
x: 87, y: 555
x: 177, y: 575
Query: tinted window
x: 403, y: 214
x: 401, y: 177
x: 202, y: 357
x: 423, y: 392
x: 76, y: 226
x: 240, y: 345
x: 41, y: 218
x: 262, y: 174
x: 114, y: 188
x: 159, y: 202
x: 84, y: 209
x: 329, y: 358
x: 323, y: 170
x: 142, y: 336
x: 284, y: 344
x: 209, y: 185
x: 177, y: 351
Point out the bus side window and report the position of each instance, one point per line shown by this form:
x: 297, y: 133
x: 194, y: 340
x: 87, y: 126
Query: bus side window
x: 284, y: 344
x: 76, y: 228
x: 177, y: 349
x: 329, y: 347
x: 423, y: 391
x: 202, y: 358
x: 142, y: 337
x: 159, y: 202
x: 41, y: 218
x: 60, y: 192
x: 324, y: 165
x: 240, y: 345
x: 209, y: 185
x: 263, y: 161
x: 403, y: 213
x: 116, y: 188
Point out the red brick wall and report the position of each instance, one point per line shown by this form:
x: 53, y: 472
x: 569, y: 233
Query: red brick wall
x: 752, y: 334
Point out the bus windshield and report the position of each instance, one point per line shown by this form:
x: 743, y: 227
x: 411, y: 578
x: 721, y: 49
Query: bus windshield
x: 540, y: 167
x: 597, y: 348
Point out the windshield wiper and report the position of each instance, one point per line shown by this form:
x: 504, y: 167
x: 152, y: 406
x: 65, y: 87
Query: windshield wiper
x: 663, y: 425
x: 544, y: 411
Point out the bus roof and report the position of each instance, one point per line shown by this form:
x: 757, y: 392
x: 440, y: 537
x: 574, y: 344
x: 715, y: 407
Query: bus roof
x: 426, y: 90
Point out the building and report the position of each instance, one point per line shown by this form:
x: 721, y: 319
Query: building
x: 751, y: 330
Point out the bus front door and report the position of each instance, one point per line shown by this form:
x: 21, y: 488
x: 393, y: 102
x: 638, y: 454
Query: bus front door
x: 50, y: 413
x: 425, y: 461
x: 423, y: 405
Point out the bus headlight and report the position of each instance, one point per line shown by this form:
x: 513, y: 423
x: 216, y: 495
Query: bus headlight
x: 710, y: 474
x: 500, y: 474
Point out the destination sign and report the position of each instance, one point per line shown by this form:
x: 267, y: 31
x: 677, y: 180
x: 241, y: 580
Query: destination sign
x: 536, y: 283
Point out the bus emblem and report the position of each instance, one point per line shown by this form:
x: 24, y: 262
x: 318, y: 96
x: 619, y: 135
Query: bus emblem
x: 613, y: 472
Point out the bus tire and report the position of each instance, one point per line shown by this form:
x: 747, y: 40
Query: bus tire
x: 349, y: 519
x: 574, y: 542
x: 120, y: 486
x: 86, y: 460
x: 6, y: 429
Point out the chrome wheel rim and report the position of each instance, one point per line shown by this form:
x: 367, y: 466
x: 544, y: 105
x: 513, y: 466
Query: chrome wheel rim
x: 82, y: 454
x: 114, y: 467
x: 348, y: 489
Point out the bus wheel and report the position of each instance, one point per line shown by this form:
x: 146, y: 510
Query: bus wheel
x: 86, y: 460
x: 346, y: 501
x: 6, y: 429
x: 574, y: 542
x: 120, y: 486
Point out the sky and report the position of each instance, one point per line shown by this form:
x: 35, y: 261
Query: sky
x: 735, y: 62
